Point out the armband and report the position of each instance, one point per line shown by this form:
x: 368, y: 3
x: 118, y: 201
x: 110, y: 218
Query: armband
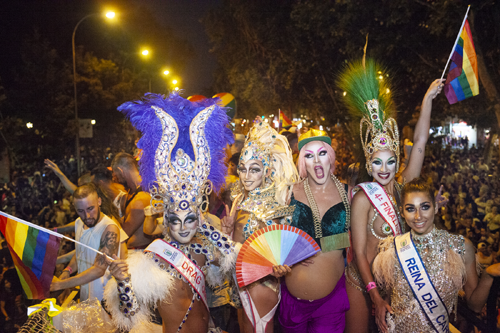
x: 128, y: 301
x: 370, y: 286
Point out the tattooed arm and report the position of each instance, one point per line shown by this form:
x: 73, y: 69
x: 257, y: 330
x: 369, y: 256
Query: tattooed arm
x: 110, y: 241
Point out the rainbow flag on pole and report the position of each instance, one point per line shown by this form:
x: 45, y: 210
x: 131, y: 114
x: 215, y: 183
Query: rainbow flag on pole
x: 34, y: 253
x: 284, y: 121
x: 462, y: 81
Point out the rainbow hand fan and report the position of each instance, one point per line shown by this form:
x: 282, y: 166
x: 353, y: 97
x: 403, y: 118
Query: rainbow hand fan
x: 269, y: 246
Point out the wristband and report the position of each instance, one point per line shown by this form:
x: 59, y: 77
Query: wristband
x: 68, y: 268
x: 148, y: 211
x: 370, y: 286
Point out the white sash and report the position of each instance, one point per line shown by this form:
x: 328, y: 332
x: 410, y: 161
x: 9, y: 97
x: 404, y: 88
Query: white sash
x: 420, y: 283
x: 382, y: 203
x: 182, y: 264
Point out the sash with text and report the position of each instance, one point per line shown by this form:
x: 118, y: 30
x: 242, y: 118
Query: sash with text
x: 182, y: 264
x: 420, y: 283
x: 382, y: 203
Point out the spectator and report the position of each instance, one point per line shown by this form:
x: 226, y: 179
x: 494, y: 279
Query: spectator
x: 98, y: 231
x: 125, y: 172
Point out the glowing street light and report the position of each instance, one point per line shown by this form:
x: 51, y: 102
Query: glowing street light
x: 109, y: 15
x: 176, y: 88
x: 92, y: 121
x: 174, y: 81
x: 166, y: 72
x: 29, y: 125
x: 145, y: 52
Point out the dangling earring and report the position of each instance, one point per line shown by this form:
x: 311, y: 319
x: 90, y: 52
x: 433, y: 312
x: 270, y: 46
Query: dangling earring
x: 369, y: 169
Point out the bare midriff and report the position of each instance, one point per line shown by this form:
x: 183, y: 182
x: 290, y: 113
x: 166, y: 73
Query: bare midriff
x: 319, y: 278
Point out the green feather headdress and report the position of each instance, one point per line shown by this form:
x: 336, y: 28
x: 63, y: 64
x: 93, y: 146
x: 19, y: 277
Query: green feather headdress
x: 368, y: 99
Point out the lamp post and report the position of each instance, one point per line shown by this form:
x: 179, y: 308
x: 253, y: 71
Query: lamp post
x: 109, y: 15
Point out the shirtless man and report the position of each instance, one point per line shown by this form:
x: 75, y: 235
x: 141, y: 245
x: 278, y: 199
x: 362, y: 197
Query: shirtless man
x: 125, y: 172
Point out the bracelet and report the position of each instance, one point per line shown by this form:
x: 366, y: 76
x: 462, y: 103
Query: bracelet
x: 370, y: 286
x: 69, y: 269
x: 128, y: 302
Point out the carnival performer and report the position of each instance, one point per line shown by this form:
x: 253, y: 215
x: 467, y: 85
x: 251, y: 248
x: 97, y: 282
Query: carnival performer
x: 181, y: 163
x: 266, y: 171
x: 375, y: 207
x: 314, y: 297
x: 424, y: 269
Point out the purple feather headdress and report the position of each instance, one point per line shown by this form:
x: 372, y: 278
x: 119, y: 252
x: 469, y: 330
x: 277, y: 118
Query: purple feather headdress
x: 162, y: 120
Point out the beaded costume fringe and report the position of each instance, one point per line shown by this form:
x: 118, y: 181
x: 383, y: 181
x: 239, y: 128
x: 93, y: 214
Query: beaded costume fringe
x: 385, y: 261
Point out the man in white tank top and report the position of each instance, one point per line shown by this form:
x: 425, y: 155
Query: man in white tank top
x: 98, y: 231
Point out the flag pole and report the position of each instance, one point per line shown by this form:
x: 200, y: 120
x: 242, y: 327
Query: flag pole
x: 51, y: 232
x: 456, y: 41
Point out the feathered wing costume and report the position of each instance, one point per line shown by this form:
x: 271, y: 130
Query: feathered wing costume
x: 182, y: 161
x: 368, y: 99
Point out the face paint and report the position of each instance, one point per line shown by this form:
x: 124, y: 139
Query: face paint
x: 317, y: 162
x: 419, y: 212
x: 251, y: 174
x: 182, y: 225
x: 383, y: 166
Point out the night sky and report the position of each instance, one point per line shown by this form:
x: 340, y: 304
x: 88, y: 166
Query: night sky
x: 183, y: 16
x: 55, y: 20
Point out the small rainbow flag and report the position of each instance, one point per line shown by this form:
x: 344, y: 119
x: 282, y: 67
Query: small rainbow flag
x: 284, y: 121
x: 34, y: 253
x: 462, y: 80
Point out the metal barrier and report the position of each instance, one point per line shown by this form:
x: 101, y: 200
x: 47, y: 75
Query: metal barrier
x: 490, y: 326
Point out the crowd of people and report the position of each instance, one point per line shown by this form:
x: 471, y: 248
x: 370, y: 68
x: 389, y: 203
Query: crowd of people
x: 204, y: 198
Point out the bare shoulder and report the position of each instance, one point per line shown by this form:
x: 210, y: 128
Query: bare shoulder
x: 360, y: 200
x: 298, y: 188
x: 111, y: 230
x: 112, y: 227
x: 141, y: 200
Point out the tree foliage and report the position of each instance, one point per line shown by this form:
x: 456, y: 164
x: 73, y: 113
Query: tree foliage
x: 287, y: 54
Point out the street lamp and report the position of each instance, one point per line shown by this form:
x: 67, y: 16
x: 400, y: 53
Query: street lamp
x: 92, y: 121
x: 174, y: 81
x: 145, y: 52
x: 166, y: 72
x: 29, y: 125
x: 109, y: 15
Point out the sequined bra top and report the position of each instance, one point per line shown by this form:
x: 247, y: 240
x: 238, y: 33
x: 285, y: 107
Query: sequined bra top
x: 332, y: 223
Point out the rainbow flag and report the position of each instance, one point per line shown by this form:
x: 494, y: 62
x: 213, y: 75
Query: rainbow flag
x: 462, y: 81
x: 284, y: 121
x: 34, y: 253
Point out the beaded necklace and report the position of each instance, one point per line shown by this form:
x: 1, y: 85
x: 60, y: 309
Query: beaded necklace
x: 318, y: 232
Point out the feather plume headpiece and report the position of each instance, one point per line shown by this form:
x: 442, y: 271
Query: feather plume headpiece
x: 368, y: 98
x: 182, y: 146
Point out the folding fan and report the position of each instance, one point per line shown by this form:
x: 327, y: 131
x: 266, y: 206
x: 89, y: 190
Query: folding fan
x: 269, y: 246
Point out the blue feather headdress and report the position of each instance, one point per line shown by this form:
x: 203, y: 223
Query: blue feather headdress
x: 182, y: 148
